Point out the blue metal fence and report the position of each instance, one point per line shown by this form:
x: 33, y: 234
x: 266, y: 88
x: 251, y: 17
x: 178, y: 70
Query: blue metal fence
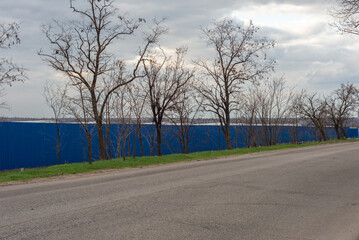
x: 28, y: 145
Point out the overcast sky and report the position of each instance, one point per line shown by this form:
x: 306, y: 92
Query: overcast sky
x: 309, y: 53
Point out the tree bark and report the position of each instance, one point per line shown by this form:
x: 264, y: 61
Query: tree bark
x: 89, y: 147
x: 227, y: 136
x: 101, y: 140
x: 343, y: 132
x: 227, y: 130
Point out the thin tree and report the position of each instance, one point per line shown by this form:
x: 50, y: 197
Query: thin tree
x: 165, y: 80
x: 108, y: 126
x: 295, y: 118
x: 340, y: 105
x: 240, y: 56
x: 311, y: 107
x: 274, y: 101
x: 137, y: 100
x: 122, y: 113
x: 81, y: 50
x: 247, y: 117
x: 78, y: 107
x: 55, y: 98
x: 149, y: 135
x: 184, y: 113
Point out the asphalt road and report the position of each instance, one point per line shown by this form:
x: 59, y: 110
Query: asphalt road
x: 307, y: 193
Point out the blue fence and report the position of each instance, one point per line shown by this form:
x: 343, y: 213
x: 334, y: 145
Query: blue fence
x: 27, y: 145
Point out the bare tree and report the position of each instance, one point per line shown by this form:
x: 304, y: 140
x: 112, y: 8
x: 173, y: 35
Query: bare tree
x: 295, y: 118
x: 340, y: 105
x: 108, y: 126
x: 311, y: 107
x: 81, y: 50
x: 346, y: 16
x: 9, y: 71
x: 122, y: 111
x: 240, y: 56
x: 274, y: 100
x: 79, y: 107
x: 137, y: 100
x: 247, y: 117
x: 55, y: 98
x: 183, y: 114
x: 149, y: 135
x: 164, y: 82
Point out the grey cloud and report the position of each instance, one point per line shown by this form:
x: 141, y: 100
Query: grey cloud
x: 304, y: 64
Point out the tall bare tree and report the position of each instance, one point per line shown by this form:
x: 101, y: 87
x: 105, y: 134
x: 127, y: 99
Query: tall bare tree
x: 295, y: 118
x: 247, y: 118
x: 274, y: 101
x: 240, y: 56
x: 184, y: 113
x: 340, y: 105
x: 165, y: 80
x: 137, y: 100
x: 346, y: 15
x: 79, y: 107
x: 123, y: 115
x: 310, y: 106
x: 81, y: 51
x: 9, y: 71
x: 55, y: 98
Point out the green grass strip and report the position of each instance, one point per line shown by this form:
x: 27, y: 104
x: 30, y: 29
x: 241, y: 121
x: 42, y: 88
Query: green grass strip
x: 84, y: 167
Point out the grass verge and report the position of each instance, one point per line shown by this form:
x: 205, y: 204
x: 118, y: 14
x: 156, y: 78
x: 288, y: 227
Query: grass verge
x: 84, y: 167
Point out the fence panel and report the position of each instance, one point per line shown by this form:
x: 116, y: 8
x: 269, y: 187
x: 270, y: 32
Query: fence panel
x: 29, y: 145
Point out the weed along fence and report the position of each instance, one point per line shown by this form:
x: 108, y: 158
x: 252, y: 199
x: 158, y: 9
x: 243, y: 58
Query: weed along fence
x: 28, y: 145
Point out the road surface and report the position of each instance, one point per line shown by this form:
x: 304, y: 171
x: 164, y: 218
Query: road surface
x: 307, y: 193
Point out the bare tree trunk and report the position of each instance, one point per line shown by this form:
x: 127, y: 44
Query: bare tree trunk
x: 89, y: 147
x: 343, y: 132
x: 108, y: 130
x: 323, y: 134
x: 227, y: 136
x: 227, y: 132
x: 336, y: 127
x: 101, y: 140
